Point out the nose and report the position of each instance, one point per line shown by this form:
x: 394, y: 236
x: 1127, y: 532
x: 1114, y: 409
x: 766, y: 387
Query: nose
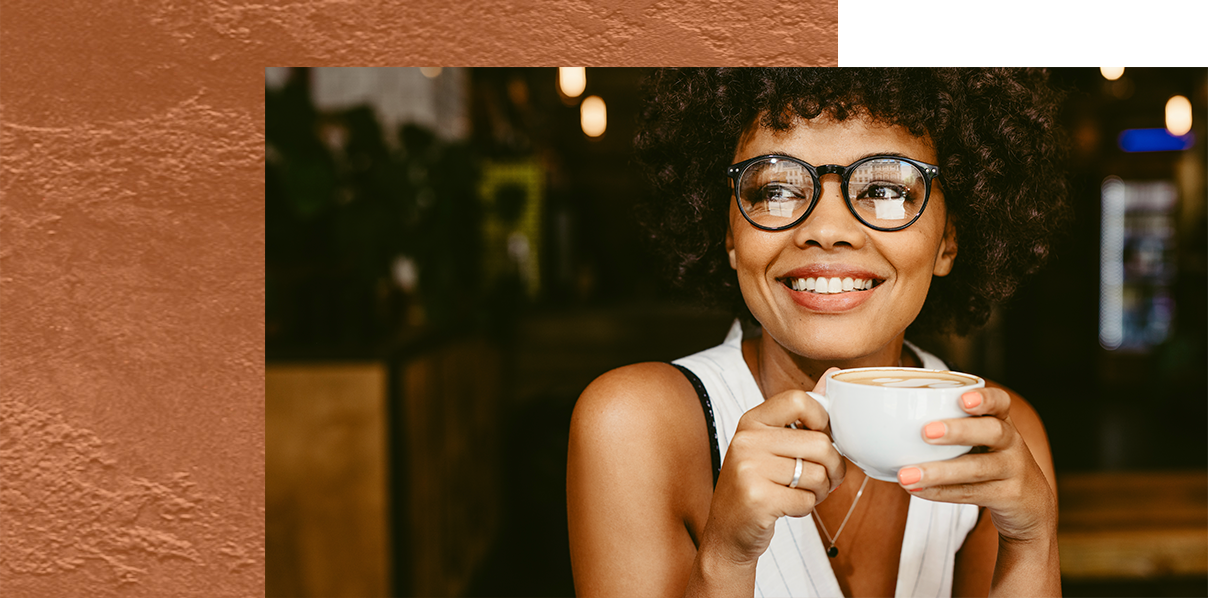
x: 830, y: 224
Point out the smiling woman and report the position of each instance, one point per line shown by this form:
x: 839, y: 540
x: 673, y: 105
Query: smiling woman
x: 859, y: 204
x: 829, y: 243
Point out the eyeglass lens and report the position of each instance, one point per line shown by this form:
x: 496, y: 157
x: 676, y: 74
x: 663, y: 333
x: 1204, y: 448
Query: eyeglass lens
x: 885, y: 192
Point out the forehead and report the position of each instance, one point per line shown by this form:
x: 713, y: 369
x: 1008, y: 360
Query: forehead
x: 823, y: 140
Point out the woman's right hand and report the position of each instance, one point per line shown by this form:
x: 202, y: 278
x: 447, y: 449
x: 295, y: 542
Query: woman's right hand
x: 752, y: 490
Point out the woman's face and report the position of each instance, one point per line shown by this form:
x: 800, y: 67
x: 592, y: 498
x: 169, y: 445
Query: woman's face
x: 832, y: 243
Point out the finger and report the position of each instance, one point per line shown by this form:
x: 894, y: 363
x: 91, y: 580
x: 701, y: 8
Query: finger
x: 767, y: 480
x: 812, y: 478
x: 990, y: 432
x: 797, y: 502
x: 979, y: 493
x: 786, y: 408
x: 813, y: 447
x: 812, y: 488
x: 986, y: 401
x: 760, y: 493
x: 954, y: 477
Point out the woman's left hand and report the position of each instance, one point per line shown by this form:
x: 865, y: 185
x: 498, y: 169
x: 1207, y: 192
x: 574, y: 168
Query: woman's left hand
x: 1004, y: 476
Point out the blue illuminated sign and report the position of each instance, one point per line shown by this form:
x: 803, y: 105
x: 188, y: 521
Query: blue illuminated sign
x: 1154, y: 140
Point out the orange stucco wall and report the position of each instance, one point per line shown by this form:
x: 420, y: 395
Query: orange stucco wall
x: 132, y: 248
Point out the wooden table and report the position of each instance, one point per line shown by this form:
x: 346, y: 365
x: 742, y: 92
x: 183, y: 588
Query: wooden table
x: 1133, y: 525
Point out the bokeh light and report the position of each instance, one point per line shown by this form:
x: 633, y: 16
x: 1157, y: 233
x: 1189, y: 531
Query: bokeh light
x: 593, y: 116
x: 1178, y: 115
x: 572, y: 80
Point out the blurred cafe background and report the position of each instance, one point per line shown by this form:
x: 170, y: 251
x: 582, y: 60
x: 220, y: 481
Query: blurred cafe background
x: 452, y: 257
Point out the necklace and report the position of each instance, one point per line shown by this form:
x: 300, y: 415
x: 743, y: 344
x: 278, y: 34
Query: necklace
x: 832, y: 552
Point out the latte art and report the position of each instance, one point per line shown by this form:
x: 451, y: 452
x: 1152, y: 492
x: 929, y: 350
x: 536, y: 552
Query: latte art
x: 907, y: 379
x: 914, y: 382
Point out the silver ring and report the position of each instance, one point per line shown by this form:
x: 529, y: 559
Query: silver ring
x: 796, y: 474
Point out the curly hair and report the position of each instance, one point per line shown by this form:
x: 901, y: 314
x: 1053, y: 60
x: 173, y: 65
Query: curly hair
x: 1001, y: 156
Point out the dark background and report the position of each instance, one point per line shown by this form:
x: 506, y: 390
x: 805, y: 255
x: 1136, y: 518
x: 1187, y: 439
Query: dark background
x: 336, y: 223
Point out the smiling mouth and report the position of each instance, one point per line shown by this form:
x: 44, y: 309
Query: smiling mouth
x: 826, y: 286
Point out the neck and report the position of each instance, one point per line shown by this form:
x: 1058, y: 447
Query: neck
x: 777, y: 369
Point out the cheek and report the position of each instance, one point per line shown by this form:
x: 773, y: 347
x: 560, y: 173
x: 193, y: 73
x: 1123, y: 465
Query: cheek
x: 751, y: 252
x: 915, y: 262
x: 747, y: 267
x: 750, y: 257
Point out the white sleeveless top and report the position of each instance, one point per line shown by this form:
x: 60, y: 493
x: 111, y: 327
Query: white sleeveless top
x: 795, y: 563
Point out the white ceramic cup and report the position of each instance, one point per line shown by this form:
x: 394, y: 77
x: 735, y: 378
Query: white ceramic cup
x: 879, y: 426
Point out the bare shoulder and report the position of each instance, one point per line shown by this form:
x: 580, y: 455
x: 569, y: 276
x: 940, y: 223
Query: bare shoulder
x: 631, y: 403
x: 637, y: 482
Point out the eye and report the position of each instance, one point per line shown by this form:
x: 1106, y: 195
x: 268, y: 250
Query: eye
x: 779, y: 192
x: 884, y: 190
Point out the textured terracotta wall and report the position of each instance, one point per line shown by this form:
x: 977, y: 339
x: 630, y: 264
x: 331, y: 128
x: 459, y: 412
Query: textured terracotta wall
x: 132, y: 244
x: 131, y: 306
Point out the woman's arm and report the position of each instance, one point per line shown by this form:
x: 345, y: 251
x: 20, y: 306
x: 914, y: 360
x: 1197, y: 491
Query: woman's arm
x: 639, y: 486
x: 637, y: 463
x: 1013, y: 548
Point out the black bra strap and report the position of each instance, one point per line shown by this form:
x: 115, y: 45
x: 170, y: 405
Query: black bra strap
x: 707, y: 406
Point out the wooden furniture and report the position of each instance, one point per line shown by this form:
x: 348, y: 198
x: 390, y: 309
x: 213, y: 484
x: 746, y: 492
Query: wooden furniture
x: 1133, y: 525
x: 326, y: 484
x: 449, y: 423
x: 382, y: 472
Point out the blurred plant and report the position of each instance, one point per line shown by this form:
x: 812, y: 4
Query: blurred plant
x: 347, y: 213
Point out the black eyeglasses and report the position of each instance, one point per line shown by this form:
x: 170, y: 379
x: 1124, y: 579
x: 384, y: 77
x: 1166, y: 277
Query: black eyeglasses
x: 886, y: 193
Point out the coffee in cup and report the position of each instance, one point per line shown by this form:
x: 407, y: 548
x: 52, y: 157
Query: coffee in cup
x: 877, y: 415
x: 913, y: 379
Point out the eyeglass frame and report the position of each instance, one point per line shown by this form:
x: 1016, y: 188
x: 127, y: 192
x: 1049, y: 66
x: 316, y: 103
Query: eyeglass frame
x: 735, y: 171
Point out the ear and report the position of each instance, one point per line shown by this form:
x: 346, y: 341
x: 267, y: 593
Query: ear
x: 946, y: 254
x: 730, y: 248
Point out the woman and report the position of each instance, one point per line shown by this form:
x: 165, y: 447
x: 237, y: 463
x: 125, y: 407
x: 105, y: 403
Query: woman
x: 934, y: 192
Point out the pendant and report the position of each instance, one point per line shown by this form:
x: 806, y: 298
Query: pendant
x: 832, y: 552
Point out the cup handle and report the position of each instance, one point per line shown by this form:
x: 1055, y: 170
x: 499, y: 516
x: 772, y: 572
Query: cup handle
x: 822, y: 400
x: 825, y: 402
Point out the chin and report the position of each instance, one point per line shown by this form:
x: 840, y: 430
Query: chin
x: 825, y: 343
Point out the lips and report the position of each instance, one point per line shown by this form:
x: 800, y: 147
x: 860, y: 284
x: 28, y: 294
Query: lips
x: 830, y: 287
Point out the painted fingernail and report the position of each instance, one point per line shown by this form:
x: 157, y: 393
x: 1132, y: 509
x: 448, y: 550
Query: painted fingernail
x: 935, y: 430
x: 971, y: 399
x: 909, y: 475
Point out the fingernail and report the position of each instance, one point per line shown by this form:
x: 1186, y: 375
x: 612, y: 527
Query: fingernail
x: 909, y: 475
x: 935, y: 430
x: 971, y: 399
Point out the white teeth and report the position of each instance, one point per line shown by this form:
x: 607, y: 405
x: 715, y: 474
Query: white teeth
x: 825, y: 286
